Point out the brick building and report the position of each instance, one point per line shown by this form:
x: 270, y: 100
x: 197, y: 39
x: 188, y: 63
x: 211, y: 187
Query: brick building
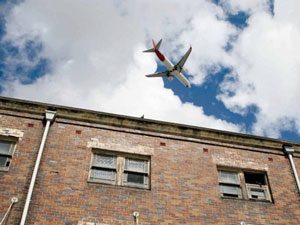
x: 61, y: 165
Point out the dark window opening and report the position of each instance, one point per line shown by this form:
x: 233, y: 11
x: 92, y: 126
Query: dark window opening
x: 230, y: 195
x: 255, y: 178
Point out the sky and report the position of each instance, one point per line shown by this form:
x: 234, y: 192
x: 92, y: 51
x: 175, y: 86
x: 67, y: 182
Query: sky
x: 244, y: 67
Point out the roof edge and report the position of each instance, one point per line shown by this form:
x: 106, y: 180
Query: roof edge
x: 111, y: 119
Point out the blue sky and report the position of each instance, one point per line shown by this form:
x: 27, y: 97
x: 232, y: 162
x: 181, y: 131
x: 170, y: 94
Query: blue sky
x: 244, y: 67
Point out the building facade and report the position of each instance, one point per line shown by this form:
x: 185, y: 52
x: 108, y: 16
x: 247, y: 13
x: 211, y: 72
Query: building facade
x: 61, y: 165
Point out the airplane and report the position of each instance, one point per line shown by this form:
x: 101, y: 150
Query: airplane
x: 172, y: 70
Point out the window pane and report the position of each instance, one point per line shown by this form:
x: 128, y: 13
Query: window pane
x: 108, y: 175
x: 136, y: 165
x: 228, y: 177
x: 136, y: 178
x: 3, y: 161
x: 104, y: 161
x: 231, y: 191
x: 5, y: 147
x: 257, y: 193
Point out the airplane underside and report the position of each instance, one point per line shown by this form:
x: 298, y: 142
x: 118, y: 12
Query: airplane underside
x: 172, y: 71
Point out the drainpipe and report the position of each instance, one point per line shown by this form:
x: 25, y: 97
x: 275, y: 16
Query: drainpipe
x: 289, y: 150
x: 13, y: 201
x: 49, y: 116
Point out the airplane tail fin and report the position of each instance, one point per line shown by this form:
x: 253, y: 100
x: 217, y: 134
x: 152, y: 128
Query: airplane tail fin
x: 155, y: 46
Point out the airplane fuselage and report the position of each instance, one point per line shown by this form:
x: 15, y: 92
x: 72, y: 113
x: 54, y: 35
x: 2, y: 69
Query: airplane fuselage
x: 173, y: 71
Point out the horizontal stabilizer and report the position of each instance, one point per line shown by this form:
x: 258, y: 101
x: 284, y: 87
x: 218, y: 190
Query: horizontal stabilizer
x: 149, y: 50
x: 155, y: 46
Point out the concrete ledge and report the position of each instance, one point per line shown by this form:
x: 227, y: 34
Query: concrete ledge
x: 115, y: 120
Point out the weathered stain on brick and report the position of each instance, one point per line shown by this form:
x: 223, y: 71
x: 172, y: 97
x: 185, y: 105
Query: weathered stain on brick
x: 10, y: 132
x: 119, y: 145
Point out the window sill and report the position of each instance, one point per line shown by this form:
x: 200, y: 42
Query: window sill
x: 102, y: 182
x: 247, y: 200
x: 112, y: 185
x: 4, y: 169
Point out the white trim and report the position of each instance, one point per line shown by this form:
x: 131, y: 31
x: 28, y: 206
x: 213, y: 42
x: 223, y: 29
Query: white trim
x: 49, y: 115
x: 289, y: 151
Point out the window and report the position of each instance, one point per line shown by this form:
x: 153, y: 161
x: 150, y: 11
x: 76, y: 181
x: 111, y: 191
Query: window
x: 104, y: 168
x: 120, y: 169
x: 230, y: 184
x: 136, y: 173
x: 257, y: 187
x: 244, y: 185
x: 6, y: 151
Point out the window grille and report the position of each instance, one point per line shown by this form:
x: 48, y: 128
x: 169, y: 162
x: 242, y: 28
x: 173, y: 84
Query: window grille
x: 103, y: 168
x: 135, y: 173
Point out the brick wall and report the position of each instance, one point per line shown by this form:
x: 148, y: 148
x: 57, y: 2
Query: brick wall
x: 15, y: 182
x: 184, y: 178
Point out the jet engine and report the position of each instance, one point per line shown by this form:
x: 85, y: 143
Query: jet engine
x: 170, y: 77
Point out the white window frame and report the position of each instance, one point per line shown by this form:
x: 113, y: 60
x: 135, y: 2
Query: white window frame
x: 121, y: 171
x: 8, y: 155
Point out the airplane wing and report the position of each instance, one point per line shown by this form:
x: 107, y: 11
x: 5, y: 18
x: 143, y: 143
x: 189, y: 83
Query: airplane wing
x: 183, y: 59
x: 162, y: 74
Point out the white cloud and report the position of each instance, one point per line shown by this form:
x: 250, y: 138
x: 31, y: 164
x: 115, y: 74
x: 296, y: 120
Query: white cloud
x: 95, y: 53
x: 209, y: 37
x: 267, y: 69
